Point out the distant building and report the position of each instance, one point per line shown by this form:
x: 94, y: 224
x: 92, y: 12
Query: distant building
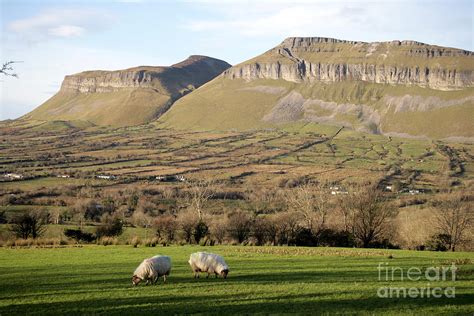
x: 336, y: 190
x: 63, y: 176
x: 13, y: 176
x: 105, y: 177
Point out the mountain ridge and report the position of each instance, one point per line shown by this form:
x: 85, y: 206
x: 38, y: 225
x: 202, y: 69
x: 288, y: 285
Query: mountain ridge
x: 395, y: 88
x: 379, y: 62
x: 129, y: 96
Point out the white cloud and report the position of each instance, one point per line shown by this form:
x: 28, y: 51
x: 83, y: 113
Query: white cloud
x: 59, y: 23
x: 66, y: 31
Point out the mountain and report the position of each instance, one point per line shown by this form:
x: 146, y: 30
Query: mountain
x: 126, y: 97
x: 401, y: 88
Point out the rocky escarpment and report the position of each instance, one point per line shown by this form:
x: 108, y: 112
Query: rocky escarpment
x: 126, y: 97
x: 191, y: 73
x: 316, y: 59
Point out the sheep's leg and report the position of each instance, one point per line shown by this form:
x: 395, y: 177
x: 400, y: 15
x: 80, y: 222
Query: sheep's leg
x: 215, y: 274
x: 164, y: 278
x: 208, y: 275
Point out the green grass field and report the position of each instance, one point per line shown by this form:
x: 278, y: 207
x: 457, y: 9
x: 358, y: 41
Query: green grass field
x: 276, y: 280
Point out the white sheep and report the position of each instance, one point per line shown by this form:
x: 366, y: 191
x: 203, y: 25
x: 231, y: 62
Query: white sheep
x: 208, y: 262
x: 151, y: 269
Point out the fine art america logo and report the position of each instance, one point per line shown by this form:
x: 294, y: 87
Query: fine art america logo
x: 432, y: 275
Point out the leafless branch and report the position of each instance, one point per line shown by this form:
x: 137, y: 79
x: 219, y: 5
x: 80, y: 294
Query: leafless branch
x: 7, y: 69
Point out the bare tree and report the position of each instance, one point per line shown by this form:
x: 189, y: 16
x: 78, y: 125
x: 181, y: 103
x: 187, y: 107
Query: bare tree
x: 368, y: 214
x: 199, y: 193
x: 55, y: 215
x: 140, y: 219
x: 263, y: 230
x: 7, y: 69
x: 187, y: 221
x: 218, y: 228
x: 166, y: 227
x: 239, y: 226
x: 286, y: 224
x: 311, y: 202
x: 454, y: 218
x: 261, y: 199
x: 28, y: 225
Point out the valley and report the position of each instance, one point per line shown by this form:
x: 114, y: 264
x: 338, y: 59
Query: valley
x: 58, y: 165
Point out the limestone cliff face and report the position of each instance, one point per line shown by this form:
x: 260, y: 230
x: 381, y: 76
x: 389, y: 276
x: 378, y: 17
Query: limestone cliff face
x: 191, y: 73
x: 331, y: 60
x: 126, y: 97
x: 109, y: 81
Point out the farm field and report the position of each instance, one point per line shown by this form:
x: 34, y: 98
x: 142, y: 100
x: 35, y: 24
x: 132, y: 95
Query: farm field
x: 65, y: 173
x: 129, y: 156
x: 96, y: 279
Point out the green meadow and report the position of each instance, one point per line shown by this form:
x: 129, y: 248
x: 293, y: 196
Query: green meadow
x: 270, y: 280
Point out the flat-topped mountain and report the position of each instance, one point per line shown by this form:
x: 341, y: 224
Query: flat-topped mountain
x: 396, y: 88
x: 127, y: 97
x: 330, y: 60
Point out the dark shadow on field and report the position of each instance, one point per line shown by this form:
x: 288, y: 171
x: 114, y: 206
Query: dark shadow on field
x: 233, y: 304
x: 101, y: 278
x: 84, y: 290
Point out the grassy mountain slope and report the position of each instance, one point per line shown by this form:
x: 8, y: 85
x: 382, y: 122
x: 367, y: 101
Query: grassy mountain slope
x: 126, y: 97
x: 276, y: 89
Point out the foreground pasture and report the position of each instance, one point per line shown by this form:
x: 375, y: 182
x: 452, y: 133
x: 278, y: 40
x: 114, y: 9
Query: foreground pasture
x: 96, y: 279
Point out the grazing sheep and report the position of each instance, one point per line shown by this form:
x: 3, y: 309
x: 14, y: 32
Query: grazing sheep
x: 151, y: 269
x: 208, y: 262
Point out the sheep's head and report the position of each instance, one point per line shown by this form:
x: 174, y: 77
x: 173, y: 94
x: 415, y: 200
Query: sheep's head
x: 224, y: 273
x: 136, y: 280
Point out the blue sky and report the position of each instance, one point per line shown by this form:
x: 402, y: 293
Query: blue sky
x: 54, y: 38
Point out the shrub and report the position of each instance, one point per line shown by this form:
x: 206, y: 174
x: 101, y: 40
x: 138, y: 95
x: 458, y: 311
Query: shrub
x: 293, y: 183
x: 262, y: 230
x: 79, y: 236
x: 3, y: 217
x: 218, y: 229
x: 187, y: 222
x: 106, y: 241
x: 44, y: 242
x: 112, y: 228
x: 304, y: 237
x: 333, y: 238
x: 23, y: 242
x: 166, y: 227
x: 384, y: 244
x: 200, y: 231
x: 90, y: 209
x: 206, y: 241
x: 239, y: 226
x: 439, y: 242
x: 151, y: 242
x: 135, y: 242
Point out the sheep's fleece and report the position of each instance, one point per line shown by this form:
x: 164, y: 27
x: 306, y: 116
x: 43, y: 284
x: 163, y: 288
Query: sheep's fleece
x: 207, y: 262
x: 153, y: 268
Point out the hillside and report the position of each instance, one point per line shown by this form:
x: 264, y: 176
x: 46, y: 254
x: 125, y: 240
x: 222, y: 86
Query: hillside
x: 402, y: 88
x: 126, y: 97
